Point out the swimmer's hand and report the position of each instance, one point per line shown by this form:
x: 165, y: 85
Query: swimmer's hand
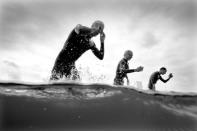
x: 102, y: 37
x: 170, y: 75
x: 91, y: 43
x: 77, y: 28
x: 140, y: 68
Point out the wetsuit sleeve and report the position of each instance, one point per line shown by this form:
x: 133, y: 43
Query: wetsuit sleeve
x: 163, y: 79
x: 128, y: 70
x: 98, y: 53
x: 123, y: 69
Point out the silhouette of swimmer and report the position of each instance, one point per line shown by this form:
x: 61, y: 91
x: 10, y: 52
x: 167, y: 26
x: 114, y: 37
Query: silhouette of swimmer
x: 78, y: 42
x: 123, y: 69
x: 156, y: 76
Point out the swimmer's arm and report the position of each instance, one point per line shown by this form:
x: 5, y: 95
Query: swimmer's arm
x: 138, y: 69
x: 123, y: 69
x: 163, y: 80
x: 82, y: 30
x: 85, y: 31
x: 128, y: 70
x: 98, y: 53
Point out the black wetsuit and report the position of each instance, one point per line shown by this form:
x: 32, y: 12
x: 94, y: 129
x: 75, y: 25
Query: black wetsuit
x: 153, y: 80
x: 121, y: 72
x: 74, y: 47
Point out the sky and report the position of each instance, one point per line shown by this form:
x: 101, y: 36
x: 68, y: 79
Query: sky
x: 159, y: 32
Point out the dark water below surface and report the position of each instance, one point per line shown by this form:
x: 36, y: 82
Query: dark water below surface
x: 77, y: 107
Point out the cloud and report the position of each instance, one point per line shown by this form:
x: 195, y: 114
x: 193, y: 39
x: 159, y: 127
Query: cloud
x: 10, y: 64
x: 180, y: 56
x: 173, y: 16
x: 163, y: 27
x: 23, y: 21
x: 149, y: 40
x: 185, y: 77
x: 9, y: 71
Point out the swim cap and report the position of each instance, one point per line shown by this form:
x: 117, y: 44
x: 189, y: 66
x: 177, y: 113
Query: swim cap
x: 128, y: 52
x: 98, y: 24
x: 163, y: 68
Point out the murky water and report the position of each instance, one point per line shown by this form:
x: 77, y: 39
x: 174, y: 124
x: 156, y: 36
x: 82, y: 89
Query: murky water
x: 95, y: 107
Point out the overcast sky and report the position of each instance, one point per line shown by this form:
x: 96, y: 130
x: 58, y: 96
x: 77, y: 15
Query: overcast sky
x: 159, y: 32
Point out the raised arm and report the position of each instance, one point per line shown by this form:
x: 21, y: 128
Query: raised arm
x: 82, y: 30
x: 98, y: 53
x: 86, y: 31
x: 163, y: 80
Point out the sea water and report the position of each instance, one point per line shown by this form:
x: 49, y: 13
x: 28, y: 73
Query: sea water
x: 94, y: 107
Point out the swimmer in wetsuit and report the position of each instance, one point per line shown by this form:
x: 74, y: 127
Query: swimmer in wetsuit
x: 157, y: 76
x: 78, y: 42
x: 123, y: 69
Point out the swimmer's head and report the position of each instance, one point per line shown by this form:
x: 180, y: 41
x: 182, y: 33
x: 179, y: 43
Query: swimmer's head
x: 99, y: 25
x: 128, y: 54
x: 163, y: 70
